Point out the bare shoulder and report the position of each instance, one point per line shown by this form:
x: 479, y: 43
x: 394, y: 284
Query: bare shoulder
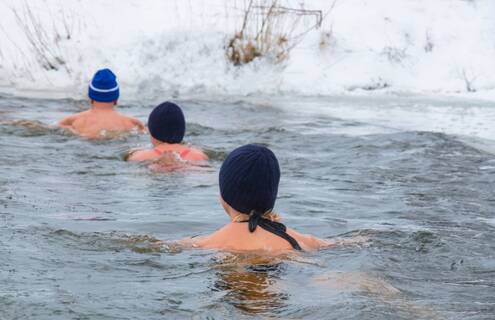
x: 141, y: 155
x: 69, y: 120
x: 131, y: 121
x: 137, y: 123
x: 195, y: 154
x: 309, y: 241
x: 218, y: 238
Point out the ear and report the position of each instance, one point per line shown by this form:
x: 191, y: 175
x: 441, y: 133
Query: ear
x: 115, y: 103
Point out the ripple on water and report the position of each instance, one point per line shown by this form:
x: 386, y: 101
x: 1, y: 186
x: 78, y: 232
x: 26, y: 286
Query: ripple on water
x: 80, y: 226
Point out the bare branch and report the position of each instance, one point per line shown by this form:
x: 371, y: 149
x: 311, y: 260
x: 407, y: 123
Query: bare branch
x: 270, y: 28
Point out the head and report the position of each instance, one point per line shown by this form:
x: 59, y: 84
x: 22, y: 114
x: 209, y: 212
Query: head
x: 248, y: 180
x: 166, y: 124
x: 104, y: 89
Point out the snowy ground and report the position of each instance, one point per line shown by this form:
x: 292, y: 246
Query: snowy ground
x: 177, y: 48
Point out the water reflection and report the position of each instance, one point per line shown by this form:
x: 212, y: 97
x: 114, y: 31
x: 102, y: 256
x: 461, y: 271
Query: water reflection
x: 251, y: 284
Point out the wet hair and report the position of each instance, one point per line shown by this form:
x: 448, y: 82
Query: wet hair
x: 166, y: 123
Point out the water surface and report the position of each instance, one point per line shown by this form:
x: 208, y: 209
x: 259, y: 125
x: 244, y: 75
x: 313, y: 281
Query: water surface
x: 76, y: 221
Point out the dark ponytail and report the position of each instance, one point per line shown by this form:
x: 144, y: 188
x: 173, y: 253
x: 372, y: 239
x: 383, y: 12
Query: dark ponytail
x: 256, y: 219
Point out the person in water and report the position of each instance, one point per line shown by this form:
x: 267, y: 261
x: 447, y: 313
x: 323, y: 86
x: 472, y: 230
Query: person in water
x: 249, y: 179
x: 167, y: 126
x: 102, y: 120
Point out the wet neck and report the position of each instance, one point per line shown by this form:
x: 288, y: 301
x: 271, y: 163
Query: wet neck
x: 236, y: 216
x: 163, y: 146
x: 102, y: 106
x: 239, y: 218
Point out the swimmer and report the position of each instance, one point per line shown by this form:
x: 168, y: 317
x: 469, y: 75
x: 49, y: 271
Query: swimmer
x: 102, y: 119
x: 249, y: 179
x: 167, y: 127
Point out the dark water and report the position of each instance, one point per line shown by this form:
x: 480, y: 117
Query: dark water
x: 77, y: 222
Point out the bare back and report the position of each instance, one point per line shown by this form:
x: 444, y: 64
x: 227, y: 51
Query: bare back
x: 185, y: 153
x: 236, y: 237
x: 96, y: 124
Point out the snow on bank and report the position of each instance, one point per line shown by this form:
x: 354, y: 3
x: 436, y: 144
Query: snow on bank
x: 177, y: 47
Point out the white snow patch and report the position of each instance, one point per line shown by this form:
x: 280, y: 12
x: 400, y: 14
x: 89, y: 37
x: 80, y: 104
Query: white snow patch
x: 177, y: 47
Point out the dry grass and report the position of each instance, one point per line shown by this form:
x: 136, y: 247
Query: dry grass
x: 271, y: 28
x: 45, y: 39
x: 469, y: 79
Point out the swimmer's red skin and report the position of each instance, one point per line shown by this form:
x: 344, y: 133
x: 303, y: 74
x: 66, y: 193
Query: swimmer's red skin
x: 236, y: 237
x: 101, y: 117
x: 186, y: 153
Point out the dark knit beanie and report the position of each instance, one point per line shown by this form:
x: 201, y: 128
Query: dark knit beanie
x: 166, y: 123
x: 249, y: 179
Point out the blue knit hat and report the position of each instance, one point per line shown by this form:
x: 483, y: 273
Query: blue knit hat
x: 166, y: 123
x: 249, y: 179
x: 104, y: 86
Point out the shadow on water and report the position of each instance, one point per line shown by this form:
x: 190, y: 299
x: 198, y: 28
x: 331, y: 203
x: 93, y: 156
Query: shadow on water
x: 250, y: 292
x: 249, y: 283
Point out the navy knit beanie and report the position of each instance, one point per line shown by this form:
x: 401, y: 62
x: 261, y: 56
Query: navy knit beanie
x: 104, y: 86
x: 249, y: 179
x: 166, y: 123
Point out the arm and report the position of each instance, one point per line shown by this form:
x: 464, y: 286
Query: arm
x: 314, y: 243
x: 138, y: 155
x: 187, y: 243
x: 318, y: 243
x: 196, y: 155
x: 309, y: 241
x: 67, y: 122
x: 137, y: 123
x: 193, y: 242
x: 214, y: 240
x: 131, y: 155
